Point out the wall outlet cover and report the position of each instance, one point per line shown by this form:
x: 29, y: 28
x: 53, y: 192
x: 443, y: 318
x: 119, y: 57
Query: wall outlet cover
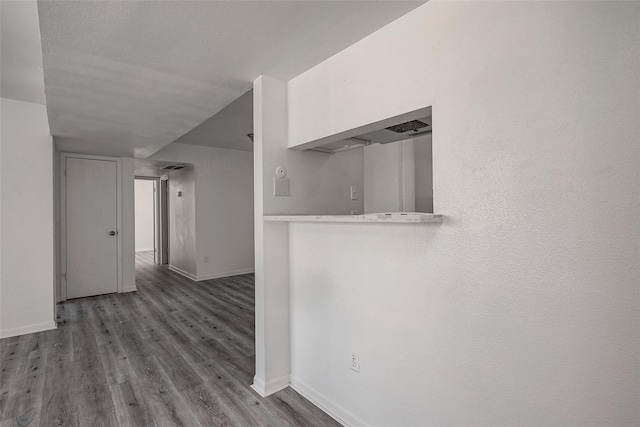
x: 281, y: 187
x: 354, y: 361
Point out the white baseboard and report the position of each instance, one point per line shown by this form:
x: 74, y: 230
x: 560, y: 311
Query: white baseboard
x: 332, y: 409
x: 271, y: 386
x: 227, y: 274
x: 38, y: 327
x: 258, y: 386
x: 131, y: 289
x: 182, y: 272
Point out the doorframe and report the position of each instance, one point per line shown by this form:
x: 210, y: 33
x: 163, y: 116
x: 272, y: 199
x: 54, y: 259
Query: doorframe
x: 157, y: 220
x: 164, y: 219
x: 63, y: 217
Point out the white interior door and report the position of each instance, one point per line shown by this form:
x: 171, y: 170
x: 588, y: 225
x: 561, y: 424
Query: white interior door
x: 91, y: 227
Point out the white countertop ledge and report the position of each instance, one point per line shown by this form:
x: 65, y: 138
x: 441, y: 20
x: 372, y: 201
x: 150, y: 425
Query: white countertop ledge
x: 391, y: 217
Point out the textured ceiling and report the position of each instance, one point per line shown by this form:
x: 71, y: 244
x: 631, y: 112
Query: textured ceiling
x: 227, y: 129
x: 127, y: 78
x: 20, y: 53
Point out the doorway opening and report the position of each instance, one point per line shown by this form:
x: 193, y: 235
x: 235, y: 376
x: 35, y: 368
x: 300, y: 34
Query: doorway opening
x: 151, y: 218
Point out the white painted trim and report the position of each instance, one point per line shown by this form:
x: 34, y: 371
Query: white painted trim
x: 227, y: 274
x: 63, y: 216
x: 272, y: 386
x: 182, y: 272
x: 38, y: 327
x: 330, y: 408
x: 157, y: 226
x: 131, y: 289
x: 258, y: 386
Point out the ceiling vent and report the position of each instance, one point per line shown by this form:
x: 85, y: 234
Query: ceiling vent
x: 412, y: 126
x: 175, y: 167
x: 392, y: 129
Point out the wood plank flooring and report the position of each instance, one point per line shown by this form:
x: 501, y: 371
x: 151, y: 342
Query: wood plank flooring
x: 175, y: 353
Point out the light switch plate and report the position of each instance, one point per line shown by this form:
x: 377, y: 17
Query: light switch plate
x: 281, y: 187
x: 353, y: 190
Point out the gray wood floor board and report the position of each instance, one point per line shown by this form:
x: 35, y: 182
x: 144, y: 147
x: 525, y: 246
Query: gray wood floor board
x: 175, y: 353
x: 166, y: 404
x: 14, y: 361
x: 230, y: 298
x: 208, y: 408
x: 113, y: 308
x: 179, y: 372
x: 116, y: 364
x: 224, y: 336
x: 28, y: 419
x: 95, y: 406
x: 242, y: 323
x: 151, y: 297
x: 187, y: 328
x: 59, y: 407
x: 234, y: 291
x: 29, y: 397
x: 243, y: 399
x: 241, y: 368
x: 131, y: 408
x: 164, y: 330
x: 138, y: 314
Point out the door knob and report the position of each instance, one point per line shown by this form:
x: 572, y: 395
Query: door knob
x: 112, y: 233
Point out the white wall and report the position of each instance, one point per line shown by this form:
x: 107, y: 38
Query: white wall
x: 384, y: 178
x: 144, y: 215
x: 182, y: 221
x: 319, y: 184
x: 26, y: 219
x: 522, y: 307
x: 319, y: 181
x: 223, y: 207
x: 423, y: 174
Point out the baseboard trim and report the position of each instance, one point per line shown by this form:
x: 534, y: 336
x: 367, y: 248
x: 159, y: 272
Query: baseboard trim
x: 330, y: 408
x: 182, y: 272
x: 258, y: 386
x: 132, y: 289
x: 38, y: 327
x: 227, y: 274
x: 271, y: 386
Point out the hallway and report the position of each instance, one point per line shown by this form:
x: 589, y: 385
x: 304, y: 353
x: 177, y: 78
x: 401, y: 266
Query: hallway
x: 176, y: 352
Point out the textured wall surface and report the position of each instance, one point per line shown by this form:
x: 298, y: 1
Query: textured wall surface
x: 182, y: 220
x: 224, y: 206
x: 20, y: 52
x: 522, y: 308
x: 26, y: 196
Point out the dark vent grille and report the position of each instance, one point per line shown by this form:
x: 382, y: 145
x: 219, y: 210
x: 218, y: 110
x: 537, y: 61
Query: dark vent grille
x: 174, y: 167
x: 413, y: 125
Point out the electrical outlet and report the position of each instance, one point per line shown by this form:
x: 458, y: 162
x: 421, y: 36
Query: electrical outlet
x: 206, y: 259
x: 354, y: 192
x: 355, y: 360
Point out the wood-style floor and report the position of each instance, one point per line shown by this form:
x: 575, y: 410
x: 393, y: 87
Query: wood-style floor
x: 175, y: 353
